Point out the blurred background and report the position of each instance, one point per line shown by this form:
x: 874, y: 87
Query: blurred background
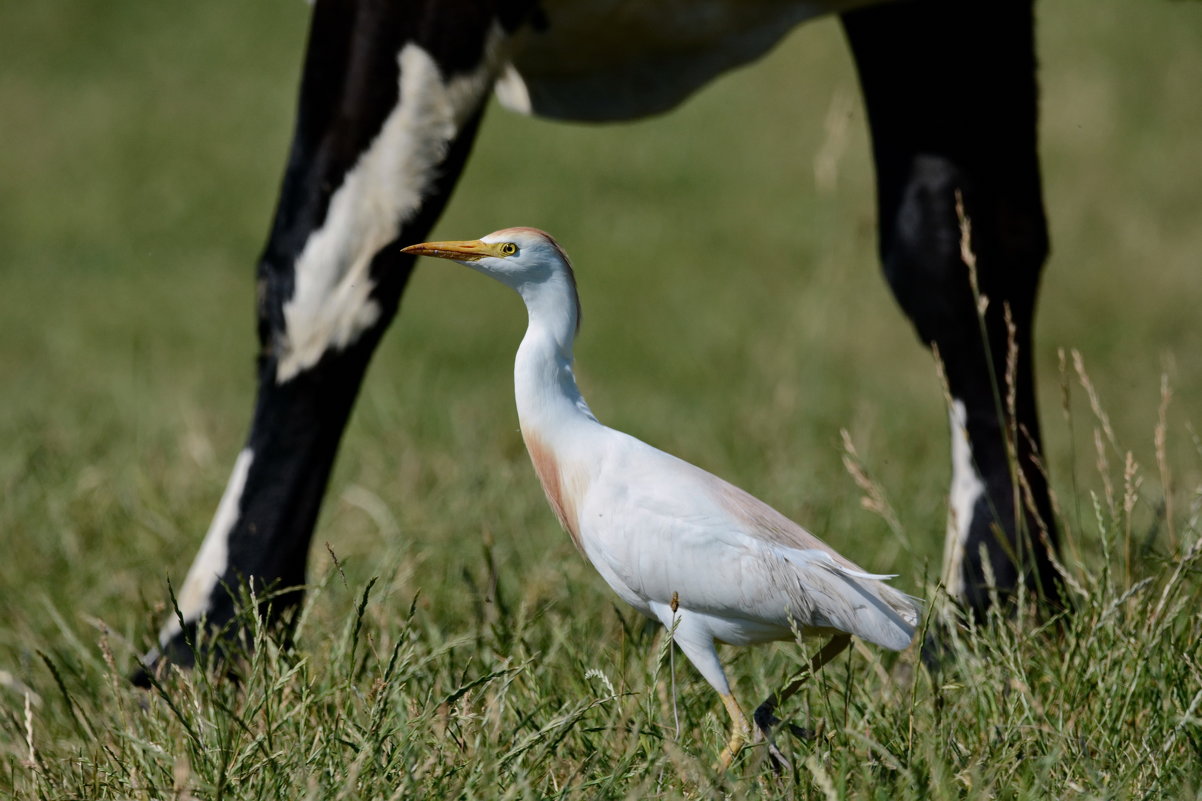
x: 734, y: 311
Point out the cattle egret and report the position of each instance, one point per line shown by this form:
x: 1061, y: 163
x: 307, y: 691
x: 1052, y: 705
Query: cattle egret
x: 706, y: 559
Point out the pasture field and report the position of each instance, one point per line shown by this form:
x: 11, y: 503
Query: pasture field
x: 454, y: 644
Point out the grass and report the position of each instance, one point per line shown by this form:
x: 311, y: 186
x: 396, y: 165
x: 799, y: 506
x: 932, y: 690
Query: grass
x: 143, y: 147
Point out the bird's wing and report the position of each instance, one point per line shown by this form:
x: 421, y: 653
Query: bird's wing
x: 663, y: 526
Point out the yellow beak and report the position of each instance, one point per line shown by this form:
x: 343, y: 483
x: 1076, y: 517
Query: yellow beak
x: 468, y: 250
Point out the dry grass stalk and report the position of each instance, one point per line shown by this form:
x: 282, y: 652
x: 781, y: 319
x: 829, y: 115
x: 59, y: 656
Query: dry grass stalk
x: 1094, y: 402
x: 33, y: 753
x: 1131, y: 483
x: 837, y: 125
x: 1162, y: 461
x: 969, y: 256
x: 874, y: 496
x: 1104, y: 470
x: 1044, y: 533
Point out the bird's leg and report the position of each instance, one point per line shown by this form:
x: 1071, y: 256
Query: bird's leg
x: 698, y: 645
x: 764, y: 717
x: 740, y: 732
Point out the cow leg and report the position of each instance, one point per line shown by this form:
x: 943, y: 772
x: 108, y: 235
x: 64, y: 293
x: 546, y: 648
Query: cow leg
x: 950, y: 91
x: 391, y: 96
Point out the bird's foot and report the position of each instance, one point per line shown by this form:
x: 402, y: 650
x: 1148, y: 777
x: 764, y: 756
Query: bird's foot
x: 738, y: 739
x: 766, y: 724
x: 740, y: 733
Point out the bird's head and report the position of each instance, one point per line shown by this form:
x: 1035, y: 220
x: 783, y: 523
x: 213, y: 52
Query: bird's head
x: 513, y: 256
x: 525, y: 259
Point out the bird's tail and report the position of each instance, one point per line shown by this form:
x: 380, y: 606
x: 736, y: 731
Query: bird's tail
x: 877, y: 613
x: 892, y: 617
x: 839, y: 595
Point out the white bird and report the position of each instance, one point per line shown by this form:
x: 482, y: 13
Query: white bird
x: 682, y: 546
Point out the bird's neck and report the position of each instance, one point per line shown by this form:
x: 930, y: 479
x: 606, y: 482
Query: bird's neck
x: 549, y: 402
x: 560, y: 431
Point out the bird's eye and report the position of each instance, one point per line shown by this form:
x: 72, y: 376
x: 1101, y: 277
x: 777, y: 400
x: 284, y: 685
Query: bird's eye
x: 508, y: 249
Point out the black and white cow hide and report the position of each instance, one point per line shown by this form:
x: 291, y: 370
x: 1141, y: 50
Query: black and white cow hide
x: 391, y: 97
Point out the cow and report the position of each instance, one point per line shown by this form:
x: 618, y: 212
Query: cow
x: 391, y: 98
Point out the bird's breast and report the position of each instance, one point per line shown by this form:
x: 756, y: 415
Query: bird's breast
x: 563, y: 480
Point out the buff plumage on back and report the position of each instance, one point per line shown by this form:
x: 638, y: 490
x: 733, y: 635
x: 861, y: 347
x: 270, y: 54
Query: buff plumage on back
x: 858, y: 602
